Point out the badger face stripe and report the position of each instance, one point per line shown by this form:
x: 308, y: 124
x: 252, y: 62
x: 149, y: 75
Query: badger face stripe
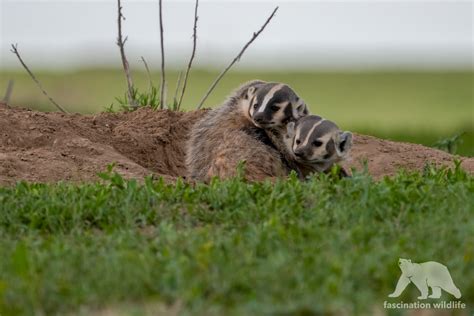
x: 251, y: 109
x: 297, y: 136
x: 311, y: 132
x: 330, y: 149
x: 269, y: 96
x: 288, y: 111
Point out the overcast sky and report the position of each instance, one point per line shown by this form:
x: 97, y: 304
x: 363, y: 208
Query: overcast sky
x: 304, y: 34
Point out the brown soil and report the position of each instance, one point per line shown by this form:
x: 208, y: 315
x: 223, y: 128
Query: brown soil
x: 50, y: 147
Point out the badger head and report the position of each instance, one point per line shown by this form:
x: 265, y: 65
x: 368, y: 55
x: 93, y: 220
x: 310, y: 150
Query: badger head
x: 273, y: 104
x: 318, y: 142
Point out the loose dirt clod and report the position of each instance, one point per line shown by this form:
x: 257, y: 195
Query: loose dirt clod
x: 50, y: 147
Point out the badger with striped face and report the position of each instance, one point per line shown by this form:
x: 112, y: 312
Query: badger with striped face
x: 318, y: 143
x: 273, y: 105
x: 244, y: 128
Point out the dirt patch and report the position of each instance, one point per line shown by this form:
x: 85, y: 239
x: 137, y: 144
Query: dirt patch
x: 386, y: 157
x: 50, y: 147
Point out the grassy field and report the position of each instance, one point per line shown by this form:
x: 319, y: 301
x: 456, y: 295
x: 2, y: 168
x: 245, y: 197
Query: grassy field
x: 410, y: 106
x: 230, y: 248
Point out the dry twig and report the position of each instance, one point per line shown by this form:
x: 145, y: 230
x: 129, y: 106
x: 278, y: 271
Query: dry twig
x: 192, y: 54
x: 14, y: 50
x: 163, y: 83
x: 8, y: 92
x: 150, y: 81
x: 237, y: 58
x: 121, y: 44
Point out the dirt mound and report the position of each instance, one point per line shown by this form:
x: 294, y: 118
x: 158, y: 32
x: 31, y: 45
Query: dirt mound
x: 386, y: 157
x: 46, y: 147
x: 49, y: 147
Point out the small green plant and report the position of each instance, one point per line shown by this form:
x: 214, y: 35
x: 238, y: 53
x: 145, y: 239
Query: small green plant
x: 149, y: 98
x: 109, y: 109
x: 111, y: 177
x: 450, y: 144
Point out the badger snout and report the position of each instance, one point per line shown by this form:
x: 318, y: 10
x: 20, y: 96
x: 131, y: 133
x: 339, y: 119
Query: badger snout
x: 258, y: 118
x: 299, y: 153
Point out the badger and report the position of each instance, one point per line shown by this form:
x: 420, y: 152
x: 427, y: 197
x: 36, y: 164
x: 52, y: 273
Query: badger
x: 316, y: 144
x: 232, y: 133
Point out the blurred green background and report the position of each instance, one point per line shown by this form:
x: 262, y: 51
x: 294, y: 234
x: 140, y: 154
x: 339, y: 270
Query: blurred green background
x: 420, y: 107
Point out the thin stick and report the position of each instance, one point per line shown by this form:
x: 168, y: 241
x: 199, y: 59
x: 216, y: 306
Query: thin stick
x: 14, y: 50
x: 237, y: 58
x: 192, y: 54
x: 163, y: 83
x: 178, y: 84
x: 150, y: 81
x: 8, y: 93
x: 121, y: 44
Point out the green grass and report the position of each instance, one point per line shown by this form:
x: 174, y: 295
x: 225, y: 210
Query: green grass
x: 231, y: 247
x: 421, y: 107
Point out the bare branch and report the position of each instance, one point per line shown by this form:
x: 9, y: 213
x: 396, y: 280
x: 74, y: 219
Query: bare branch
x: 14, y: 50
x: 150, y: 81
x: 121, y: 44
x: 163, y: 82
x: 192, y: 55
x: 237, y: 58
x: 178, y: 85
x: 8, y: 93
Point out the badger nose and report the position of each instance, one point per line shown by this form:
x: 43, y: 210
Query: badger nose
x: 258, y: 118
x: 299, y: 154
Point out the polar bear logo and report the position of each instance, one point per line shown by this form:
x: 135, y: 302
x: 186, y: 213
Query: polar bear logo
x: 423, y: 275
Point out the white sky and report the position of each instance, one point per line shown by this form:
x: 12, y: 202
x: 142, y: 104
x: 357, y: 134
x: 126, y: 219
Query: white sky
x: 303, y: 34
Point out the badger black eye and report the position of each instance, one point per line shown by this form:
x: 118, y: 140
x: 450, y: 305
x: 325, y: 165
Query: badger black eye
x: 255, y: 106
x: 298, y: 142
x: 317, y: 143
x: 274, y: 108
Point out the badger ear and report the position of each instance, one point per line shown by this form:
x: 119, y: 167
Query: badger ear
x: 247, y: 89
x: 290, y: 130
x: 300, y: 110
x: 343, y: 143
x: 249, y: 93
